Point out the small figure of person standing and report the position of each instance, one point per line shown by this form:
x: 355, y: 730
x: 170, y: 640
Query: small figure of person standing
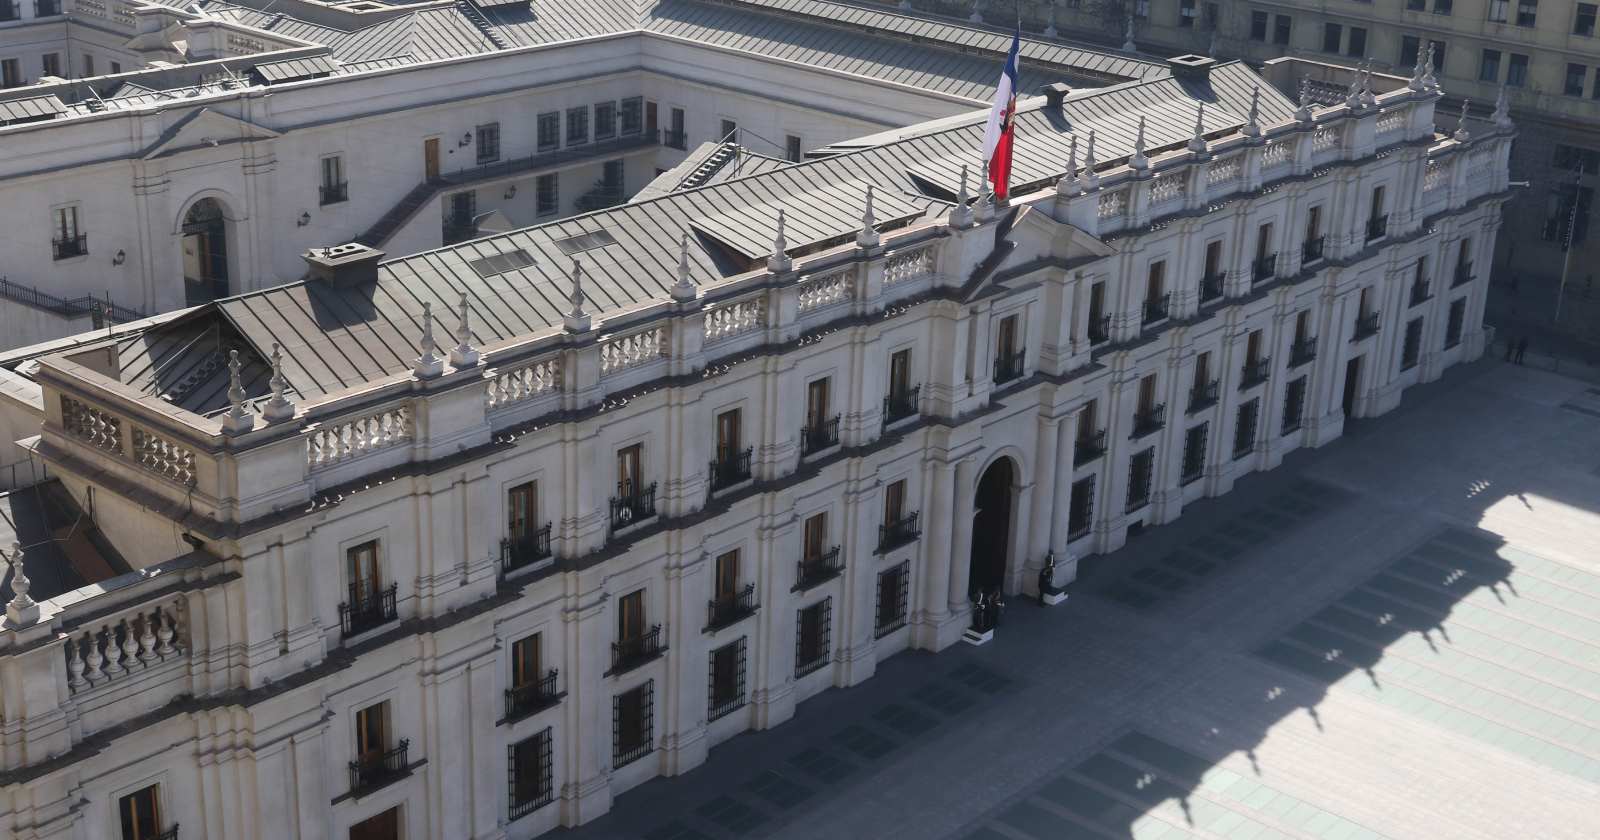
x: 1511, y: 348
x: 1522, y: 349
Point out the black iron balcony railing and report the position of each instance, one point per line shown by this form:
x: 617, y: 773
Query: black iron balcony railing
x: 1089, y: 448
x: 1419, y: 291
x: 892, y: 535
x: 1009, y: 366
x: 1463, y: 275
x: 898, y: 405
x: 730, y: 608
x: 366, y: 609
x: 169, y: 834
x: 1099, y: 329
x: 9, y: 10
x: 1157, y: 308
x: 71, y: 246
x: 1254, y: 373
x: 816, y: 437
x: 731, y: 468
x: 1302, y: 352
x: 1149, y: 420
x: 632, y: 505
x: 1366, y: 325
x: 1265, y: 268
x: 379, y: 769
x: 522, y: 551
x: 46, y: 8
x: 813, y: 571
x: 532, y: 696
x: 1211, y: 287
x: 459, y: 229
x: 1311, y: 251
x: 333, y: 193
x: 628, y: 654
x: 1377, y: 227
x: 1203, y: 395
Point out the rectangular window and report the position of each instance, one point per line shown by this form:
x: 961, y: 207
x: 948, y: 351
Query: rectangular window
x: 1147, y: 393
x: 813, y: 631
x: 372, y: 732
x: 632, y: 115
x: 817, y: 402
x: 549, y: 132
x: 611, y: 174
x: 141, y: 814
x: 10, y: 73
x: 1081, y: 508
x: 1244, y: 428
x: 630, y: 470
x: 605, y: 120
x: 726, y: 581
x: 1252, y: 348
x: 547, y: 194
x: 814, y: 539
x: 677, y: 134
x: 1187, y: 13
x: 1202, y: 369
x: 1294, y: 404
x: 1489, y: 66
x: 332, y: 172
x: 1498, y: 10
x: 1412, y: 348
x: 1527, y: 12
x: 1302, y: 325
x: 1332, y: 35
x: 116, y: 67
x: 522, y: 509
x: 894, y: 501
x: 1194, y: 452
x: 1517, y: 71
x: 1561, y: 216
x: 1583, y: 20
x: 1281, y: 24
x: 362, y: 572
x: 88, y: 65
x: 630, y: 616
x: 1155, y: 282
x: 1443, y: 7
x: 728, y: 431
x: 530, y: 761
x: 1594, y: 92
x: 900, y: 373
x: 488, y: 142
x: 730, y: 132
x: 726, y: 678
x: 66, y: 224
x: 1357, y: 47
x: 1005, y: 344
x: 52, y: 64
x: 1458, y: 317
x: 894, y: 587
x: 1141, y: 469
x: 1264, y: 241
x: 1438, y: 56
x: 791, y: 148
x: 1258, y: 26
x: 525, y: 661
x: 1088, y: 425
x: 632, y: 724
x: 1410, y: 50
x: 577, y: 125
x: 1416, y: 5
x: 1214, y: 258
x: 1573, y: 86
x: 1377, y: 203
x: 1313, y: 222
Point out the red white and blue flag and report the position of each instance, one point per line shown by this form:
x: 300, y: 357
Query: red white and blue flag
x: 997, y: 137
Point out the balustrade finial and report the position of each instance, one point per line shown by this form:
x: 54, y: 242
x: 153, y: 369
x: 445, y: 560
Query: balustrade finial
x: 1197, y: 141
x: 1428, y: 79
x: 1252, y: 123
x: 1352, y: 96
x: 464, y: 355
x: 1068, y: 185
x: 1091, y: 180
x: 1127, y: 35
x: 1417, y: 84
x: 1303, y: 113
x: 1462, y: 134
x: 428, y: 365
x: 961, y: 213
x: 576, y: 320
x: 238, y: 418
x: 278, y: 407
x: 779, y: 262
x: 1502, y: 110
x: 1137, y: 160
x: 1368, y: 98
x: 683, y: 291
x: 868, y: 237
x: 22, y: 610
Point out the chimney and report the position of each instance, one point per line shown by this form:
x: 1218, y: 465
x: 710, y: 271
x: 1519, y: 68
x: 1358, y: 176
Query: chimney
x: 1191, y: 67
x: 344, y: 265
x: 1055, y: 94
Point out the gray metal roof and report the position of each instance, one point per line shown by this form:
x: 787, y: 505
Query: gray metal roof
x: 335, y: 338
x: 294, y: 69
x: 31, y: 108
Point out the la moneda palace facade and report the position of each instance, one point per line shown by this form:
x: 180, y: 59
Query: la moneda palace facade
x: 468, y: 543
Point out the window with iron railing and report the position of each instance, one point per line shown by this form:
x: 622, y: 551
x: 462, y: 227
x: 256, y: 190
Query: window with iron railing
x: 725, y: 680
x: 333, y: 188
x: 1294, y: 404
x: 1008, y: 350
x: 1141, y: 470
x: 140, y: 814
x: 812, y: 641
x: 1411, y: 348
x: 902, y: 400
x: 893, y: 592
x: 1081, y: 508
x: 729, y: 602
x: 899, y: 525
x: 1099, y: 321
x: 1244, y: 427
x: 1194, y: 452
x: 379, y: 760
x: 1458, y: 318
x: 632, y: 724
x: 529, y: 774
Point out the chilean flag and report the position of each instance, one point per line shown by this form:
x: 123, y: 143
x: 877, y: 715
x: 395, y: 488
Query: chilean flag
x: 997, y: 136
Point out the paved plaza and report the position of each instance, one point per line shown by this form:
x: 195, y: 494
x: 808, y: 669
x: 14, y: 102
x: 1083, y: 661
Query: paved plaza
x: 1396, y: 636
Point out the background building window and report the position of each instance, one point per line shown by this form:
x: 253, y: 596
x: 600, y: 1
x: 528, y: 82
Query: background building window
x: 726, y: 678
x: 10, y: 73
x: 1187, y: 13
x: 1357, y: 47
x: 1410, y: 45
x: 1527, y: 12
x: 791, y: 148
x: 577, y: 125
x: 52, y: 64
x: 632, y: 725
x: 1573, y: 86
x: 530, y: 761
x: 488, y: 142
x: 1332, y: 34
x: 1413, y: 344
x: 632, y: 115
x: 730, y: 132
x: 813, y: 631
x: 1281, y: 24
x: 1517, y: 71
x: 549, y: 133
x: 141, y: 814
x: 1258, y: 26
x: 547, y: 195
x: 1583, y: 20
x: 605, y: 120
x: 894, y: 585
x: 1497, y: 11
x: 1489, y: 66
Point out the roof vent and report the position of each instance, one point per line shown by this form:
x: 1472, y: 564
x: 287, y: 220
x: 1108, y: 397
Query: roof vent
x: 1197, y: 67
x: 344, y: 265
x: 1055, y: 94
x: 501, y: 263
x: 585, y: 242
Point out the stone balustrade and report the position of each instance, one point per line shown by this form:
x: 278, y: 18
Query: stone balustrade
x: 525, y: 382
x: 824, y: 290
x: 735, y: 318
x: 342, y: 440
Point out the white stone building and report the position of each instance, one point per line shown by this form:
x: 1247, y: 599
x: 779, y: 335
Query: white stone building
x: 471, y: 542
x: 194, y: 150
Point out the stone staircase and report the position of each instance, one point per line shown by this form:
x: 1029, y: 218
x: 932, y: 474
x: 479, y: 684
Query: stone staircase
x: 399, y: 214
x: 471, y: 13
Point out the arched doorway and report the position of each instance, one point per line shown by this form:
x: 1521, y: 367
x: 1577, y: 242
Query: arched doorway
x: 991, y: 529
x: 205, y: 252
